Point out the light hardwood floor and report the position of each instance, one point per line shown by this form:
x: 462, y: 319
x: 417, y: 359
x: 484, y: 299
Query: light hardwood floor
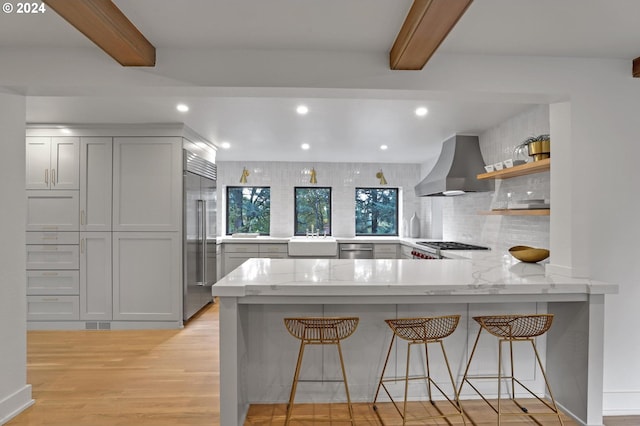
x: 167, y: 377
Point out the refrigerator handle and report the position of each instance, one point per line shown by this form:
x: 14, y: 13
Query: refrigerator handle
x: 203, y: 230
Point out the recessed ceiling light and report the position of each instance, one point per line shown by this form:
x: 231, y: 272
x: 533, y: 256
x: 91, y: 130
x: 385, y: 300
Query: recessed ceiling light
x: 182, y: 108
x: 225, y: 145
x: 302, y: 109
x: 305, y: 146
x: 421, y: 111
x: 383, y: 147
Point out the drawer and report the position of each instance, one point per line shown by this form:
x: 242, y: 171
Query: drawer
x: 53, y: 257
x: 53, y: 282
x: 48, y: 308
x: 386, y: 248
x: 53, y: 237
x: 242, y: 248
x: 273, y: 248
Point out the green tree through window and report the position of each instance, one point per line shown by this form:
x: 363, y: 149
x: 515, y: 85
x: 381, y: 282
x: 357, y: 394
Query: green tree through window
x: 248, y: 209
x: 376, y: 211
x: 312, y: 210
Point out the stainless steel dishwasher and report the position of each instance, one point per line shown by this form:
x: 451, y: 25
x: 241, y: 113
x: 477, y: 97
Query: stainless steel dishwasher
x: 356, y: 251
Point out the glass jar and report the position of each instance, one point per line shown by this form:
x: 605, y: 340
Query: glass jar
x: 521, y: 154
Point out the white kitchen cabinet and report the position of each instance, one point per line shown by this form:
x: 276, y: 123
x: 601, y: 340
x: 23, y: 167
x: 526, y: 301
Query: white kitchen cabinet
x: 385, y: 251
x: 235, y: 254
x: 52, y: 210
x: 146, y: 276
x: 95, y: 276
x: 233, y: 260
x: 52, y: 308
x: 53, y: 283
x: 95, y: 183
x: 53, y: 257
x: 52, y: 163
x: 274, y: 251
x: 147, y: 184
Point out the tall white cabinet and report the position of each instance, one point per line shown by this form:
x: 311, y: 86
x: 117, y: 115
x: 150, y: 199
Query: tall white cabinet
x: 147, y: 250
x: 104, y: 222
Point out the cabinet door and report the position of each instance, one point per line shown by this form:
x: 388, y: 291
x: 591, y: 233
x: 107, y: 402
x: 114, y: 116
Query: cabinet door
x: 38, y: 156
x: 146, y: 276
x: 95, y: 276
x: 385, y: 251
x: 233, y: 260
x: 52, y: 211
x: 95, y: 184
x: 65, y: 154
x: 147, y: 184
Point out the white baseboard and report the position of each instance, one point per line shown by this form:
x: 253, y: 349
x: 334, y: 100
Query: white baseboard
x: 15, y: 403
x: 621, y: 403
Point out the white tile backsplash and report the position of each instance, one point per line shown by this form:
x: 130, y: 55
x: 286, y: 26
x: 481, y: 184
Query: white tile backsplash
x: 460, y: 218
x: 343, y: 178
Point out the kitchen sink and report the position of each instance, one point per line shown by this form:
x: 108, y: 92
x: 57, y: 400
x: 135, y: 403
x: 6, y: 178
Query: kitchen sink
x: 313, y: 246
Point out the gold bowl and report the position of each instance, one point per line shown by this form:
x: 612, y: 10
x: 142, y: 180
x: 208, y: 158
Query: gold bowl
x: 529, y: 254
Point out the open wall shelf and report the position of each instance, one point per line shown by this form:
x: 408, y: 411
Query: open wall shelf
x: 520, y: 170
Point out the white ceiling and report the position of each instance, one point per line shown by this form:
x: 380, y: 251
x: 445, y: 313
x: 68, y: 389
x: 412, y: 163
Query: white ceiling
x: 337, y: 128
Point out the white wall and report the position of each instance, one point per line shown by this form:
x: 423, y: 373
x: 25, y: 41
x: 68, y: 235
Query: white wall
x: 282, y: 177
x: 15, y: 394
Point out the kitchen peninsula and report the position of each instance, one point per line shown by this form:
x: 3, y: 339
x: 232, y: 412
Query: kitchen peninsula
x: 257, y: 356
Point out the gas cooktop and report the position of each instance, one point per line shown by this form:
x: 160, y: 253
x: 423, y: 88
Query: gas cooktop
x: 450, y: 245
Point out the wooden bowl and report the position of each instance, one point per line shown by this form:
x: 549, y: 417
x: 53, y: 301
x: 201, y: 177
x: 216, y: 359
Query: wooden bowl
x: 529, y: 254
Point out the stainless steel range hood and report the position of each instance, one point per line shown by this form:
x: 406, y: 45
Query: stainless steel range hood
x: 456, y: 169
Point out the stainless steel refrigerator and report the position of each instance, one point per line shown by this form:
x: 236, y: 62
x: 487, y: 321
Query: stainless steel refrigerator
x: 199, y: 232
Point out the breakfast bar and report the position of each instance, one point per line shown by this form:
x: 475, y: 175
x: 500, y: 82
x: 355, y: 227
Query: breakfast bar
x: 257, y: 355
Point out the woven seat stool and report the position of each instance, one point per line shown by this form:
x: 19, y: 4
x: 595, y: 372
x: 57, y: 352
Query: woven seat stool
x: 320, y: 331
x: 421, y: 331
x: 513, y: 328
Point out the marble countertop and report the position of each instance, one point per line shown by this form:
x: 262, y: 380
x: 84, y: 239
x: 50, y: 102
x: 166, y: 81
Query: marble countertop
x: 479, y: 274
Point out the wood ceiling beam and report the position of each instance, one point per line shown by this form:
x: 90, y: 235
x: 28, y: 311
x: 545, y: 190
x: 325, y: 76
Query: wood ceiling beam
x: 104, y: 24
x: 425, y: 27
x: 636, y: 67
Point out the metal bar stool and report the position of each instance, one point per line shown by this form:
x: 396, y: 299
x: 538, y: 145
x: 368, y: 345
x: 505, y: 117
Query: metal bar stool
x: 513, y: 328
x: 421, y: 331
x: 320, y: 331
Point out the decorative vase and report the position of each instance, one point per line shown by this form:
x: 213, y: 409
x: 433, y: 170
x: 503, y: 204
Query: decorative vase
x: 415, y: 226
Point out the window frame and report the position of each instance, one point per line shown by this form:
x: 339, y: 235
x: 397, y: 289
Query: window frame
x: 295, y: 209
x: 232, y: 187
x: 397, y: 191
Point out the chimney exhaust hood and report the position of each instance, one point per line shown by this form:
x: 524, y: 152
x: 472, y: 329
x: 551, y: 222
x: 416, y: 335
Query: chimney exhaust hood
x: 455, y: 171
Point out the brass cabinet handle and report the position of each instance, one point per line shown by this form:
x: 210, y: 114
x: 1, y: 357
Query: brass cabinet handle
x: 82, y: 217
x: 46, y: 176
x: 82, y: 246
x: 53, y: 177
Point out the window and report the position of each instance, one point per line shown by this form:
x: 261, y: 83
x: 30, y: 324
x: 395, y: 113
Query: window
x: 248, y: 209
x: 312, y: 210
x: 376, y: 211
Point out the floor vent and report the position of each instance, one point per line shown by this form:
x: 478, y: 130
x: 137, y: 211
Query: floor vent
x: 91, y: 325
x: 104, y: 326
